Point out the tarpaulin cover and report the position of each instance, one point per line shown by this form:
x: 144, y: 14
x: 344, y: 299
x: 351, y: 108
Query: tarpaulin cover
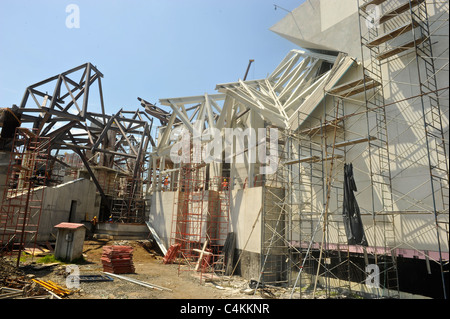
x: 352, y: 216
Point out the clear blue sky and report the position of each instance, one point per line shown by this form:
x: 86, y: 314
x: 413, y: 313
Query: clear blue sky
x: 148, y: 48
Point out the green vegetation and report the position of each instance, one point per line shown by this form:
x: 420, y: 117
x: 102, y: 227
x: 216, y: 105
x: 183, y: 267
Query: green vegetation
x: 48, y: 259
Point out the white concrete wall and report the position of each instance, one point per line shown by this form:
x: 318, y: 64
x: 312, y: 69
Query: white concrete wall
x: 322, y: 25
x: 244, y: 208
x: 160, y: 215
x: 245, y: 218
x: 408, y: 158
x: 333, y: 25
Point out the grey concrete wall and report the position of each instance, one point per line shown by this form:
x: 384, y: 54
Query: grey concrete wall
x: 245, y: 218
x: 122, y: 231
x: 57, y: 204
x: 323, y: 25
x: 4, y: 163
x: 160, y: 215
x: 69, y: 243
x: 245, y: 222
x: 248, y: 264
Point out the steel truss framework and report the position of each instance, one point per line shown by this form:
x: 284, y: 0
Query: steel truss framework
x: 302, y: 223
x: 323, y: 123
x: 115, y: 142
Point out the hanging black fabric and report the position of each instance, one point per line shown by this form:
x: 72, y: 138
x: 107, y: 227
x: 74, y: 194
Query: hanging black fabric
x: 351, y: 214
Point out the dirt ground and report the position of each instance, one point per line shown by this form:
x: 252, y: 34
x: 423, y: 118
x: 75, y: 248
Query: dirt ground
x: 149, y: 268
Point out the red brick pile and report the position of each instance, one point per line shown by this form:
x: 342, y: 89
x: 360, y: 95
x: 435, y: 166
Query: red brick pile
x: 118, y: 259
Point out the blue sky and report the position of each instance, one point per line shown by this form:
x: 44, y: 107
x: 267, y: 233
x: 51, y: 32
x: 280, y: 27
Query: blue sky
x: 148, y: 48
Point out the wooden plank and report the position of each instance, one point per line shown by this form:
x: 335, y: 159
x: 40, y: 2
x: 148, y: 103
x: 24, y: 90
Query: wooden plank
x: 157, y: 239
x: 325, y: 127
x: 399, y: 10
x: 355, y: 87
x: 202, y: 252
x: 313, y: 159
x: 302, y: 160
x: 346, y: 86
x: 400, y: 49
x: 372, y: 2
x: 331, y: 158
x: 355, y: 141
x: 37, y: 251
x: 393, y: 34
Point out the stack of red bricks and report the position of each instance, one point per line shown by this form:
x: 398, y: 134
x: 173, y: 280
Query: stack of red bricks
x: 118, y: 259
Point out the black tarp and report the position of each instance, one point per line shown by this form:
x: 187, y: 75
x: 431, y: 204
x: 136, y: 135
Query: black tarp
x: 351, y: 214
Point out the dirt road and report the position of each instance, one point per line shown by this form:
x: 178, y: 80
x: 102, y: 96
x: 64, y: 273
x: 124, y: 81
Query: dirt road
x: 149, y: 268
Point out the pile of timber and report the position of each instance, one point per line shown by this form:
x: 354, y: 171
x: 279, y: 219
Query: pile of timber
x: 118, y: 259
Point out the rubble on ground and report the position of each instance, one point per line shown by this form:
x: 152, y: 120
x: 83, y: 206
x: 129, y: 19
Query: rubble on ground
x: 16, y: 284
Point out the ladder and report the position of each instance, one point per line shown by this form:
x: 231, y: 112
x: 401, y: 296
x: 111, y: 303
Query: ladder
x: 378, y: 47
x: 21, y: 208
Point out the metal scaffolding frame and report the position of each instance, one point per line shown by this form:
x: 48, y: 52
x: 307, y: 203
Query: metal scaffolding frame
x: 201, y: 223
x: 21, y: 206
x: 323, y: 124
x: 408, y: 33
x: 371, y: 109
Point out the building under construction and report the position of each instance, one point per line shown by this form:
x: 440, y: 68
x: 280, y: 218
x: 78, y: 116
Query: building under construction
x: 332, y: 171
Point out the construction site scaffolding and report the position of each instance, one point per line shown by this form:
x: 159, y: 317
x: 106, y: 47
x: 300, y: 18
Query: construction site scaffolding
x: 406, y: 31
x: 201, y: 222
x: 303, y: 236
x: 21, y: 207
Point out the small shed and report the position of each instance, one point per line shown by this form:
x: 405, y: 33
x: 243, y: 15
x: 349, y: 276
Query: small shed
x: 69, y: 241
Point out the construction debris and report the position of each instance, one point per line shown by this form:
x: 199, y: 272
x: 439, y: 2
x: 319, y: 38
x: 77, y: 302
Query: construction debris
x: 10, y: 293
x: 118, y: 259
x: 157, y: 239
x: 138, y: 282
x: 323, y: 109
x: 14, y: 283
x: 54, y: 287
x: 37, y: 251
x: 94, y: 278
x: 171, y: 254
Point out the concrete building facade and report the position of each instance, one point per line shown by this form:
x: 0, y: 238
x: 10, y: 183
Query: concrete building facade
x: 368, y: 86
